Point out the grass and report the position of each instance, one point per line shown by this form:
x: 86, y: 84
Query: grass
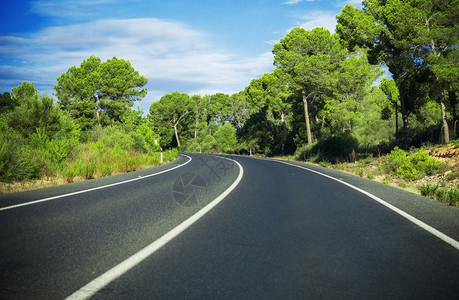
x: 450, y: 196
x: 89, y: 161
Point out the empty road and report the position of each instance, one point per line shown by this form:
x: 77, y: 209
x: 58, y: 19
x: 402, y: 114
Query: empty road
x: 227, y: 227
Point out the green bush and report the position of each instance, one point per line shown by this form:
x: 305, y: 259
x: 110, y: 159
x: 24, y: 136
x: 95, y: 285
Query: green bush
x: 428, y: 190
x: 332, y: 149
x: 70, y: 173
x: 193, y: 146
x: 451, y: 196
x: 336, y: 148
x: 88, y: 170
x: 304, y: 152
x: 411, y: 167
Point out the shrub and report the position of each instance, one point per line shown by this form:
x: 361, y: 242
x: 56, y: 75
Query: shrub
x: 106, y: 169
x: 88, y: 170
x: 304, y: 152
x: 428, y: 190
x: 452, y: 197
x: 193, y: 146
x: 336, y: 148
x: 411, y: 167
x: 70, y: 173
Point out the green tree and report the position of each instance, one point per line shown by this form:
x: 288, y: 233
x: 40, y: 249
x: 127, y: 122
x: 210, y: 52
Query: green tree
x: 310, y: 58
x: 225, y: 137
x: 344, y: 107
x: 368, y: 28
x: 95, y: 88
x: 389, y: 88
x: 238, y: 109
x: 76, y: 90
x: 6, y: 102
x: 432, y: 30
x: 170, y: 112
x: 406, y: 36
x: 217, y: 108
x: 35, y: 135
x: 272, y: 91
x: 199, y: 113
x: 119, y: 86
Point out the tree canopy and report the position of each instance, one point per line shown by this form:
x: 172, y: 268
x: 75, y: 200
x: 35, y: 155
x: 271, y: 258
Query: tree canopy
x: 99, y: 92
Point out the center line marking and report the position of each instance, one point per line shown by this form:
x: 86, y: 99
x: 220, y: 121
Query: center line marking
x: 103, y: 280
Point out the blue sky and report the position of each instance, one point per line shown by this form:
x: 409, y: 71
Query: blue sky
x: 191, y: 46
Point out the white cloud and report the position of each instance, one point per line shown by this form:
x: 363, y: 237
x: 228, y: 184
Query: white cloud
x: 313, y: 19
x: 353, y: 2
x: 67, y: 8
x: 293, y: 2
x: 163, y: 51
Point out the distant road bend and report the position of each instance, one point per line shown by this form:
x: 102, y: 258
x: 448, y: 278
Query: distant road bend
x: 227, y: 227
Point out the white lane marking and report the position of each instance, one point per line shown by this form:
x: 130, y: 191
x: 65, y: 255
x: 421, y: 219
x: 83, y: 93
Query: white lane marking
x: 103, y: 280
x: 416, y: 221
x: 94, y: 189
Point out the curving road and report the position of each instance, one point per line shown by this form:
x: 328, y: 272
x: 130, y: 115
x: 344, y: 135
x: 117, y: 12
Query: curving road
x: 207, y: 227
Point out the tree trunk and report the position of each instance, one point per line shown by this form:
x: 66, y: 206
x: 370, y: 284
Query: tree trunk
x: 396, y: 117
x: 283, y: 124
x: 97, y: 114
x: 404, y: 119
x: 306, y: 115
x: 176, y: 136
x: 452, y: 103
x: 443, y: 117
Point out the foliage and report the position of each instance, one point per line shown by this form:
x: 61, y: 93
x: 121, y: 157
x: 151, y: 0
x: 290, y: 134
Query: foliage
x: 99, y: 93
x: 321, y: 102
x: 305, y: 152
x: 6, y: 102
x: 41, y: 141
x: 417, y: 40
x: 310, y: 58
x: 413, y: 166
x: 333, y: 149
x: 450, y: 197
x: 168, y: 114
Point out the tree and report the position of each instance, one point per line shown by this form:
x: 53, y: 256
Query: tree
x: 389, y: 88
x: 432, y: 31
x: 407, y: 36
x: 272, y: 91
x: 170, y: 112
x: 119, y: 86
x: 200, y: 113
x: 350, y: 81
x: 76, y: 90
x: 238, y: 109
x: 216, y: 108
x: 309, y: 57
x: 226, y: 138
x: 6, y: 102
x: 96, y: 88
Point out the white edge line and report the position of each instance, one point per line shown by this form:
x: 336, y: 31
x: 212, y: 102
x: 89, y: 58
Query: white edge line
x: 93, y: 189
x: 103, y: 280
x: 416, y: 221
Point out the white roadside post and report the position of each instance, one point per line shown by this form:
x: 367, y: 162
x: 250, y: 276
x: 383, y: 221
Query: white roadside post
x: 161, y: 155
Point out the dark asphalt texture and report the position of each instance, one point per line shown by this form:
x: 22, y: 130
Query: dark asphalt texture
x: 283, y: 233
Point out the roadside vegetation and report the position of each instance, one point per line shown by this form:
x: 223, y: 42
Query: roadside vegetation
x: 319, y: 104
x: 44, y: 143
x: 432, y: 172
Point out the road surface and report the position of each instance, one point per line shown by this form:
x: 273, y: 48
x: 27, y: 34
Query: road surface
x: 227, y: 227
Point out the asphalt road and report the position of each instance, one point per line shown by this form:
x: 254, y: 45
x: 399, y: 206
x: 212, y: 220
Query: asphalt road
x: 280, y: 232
